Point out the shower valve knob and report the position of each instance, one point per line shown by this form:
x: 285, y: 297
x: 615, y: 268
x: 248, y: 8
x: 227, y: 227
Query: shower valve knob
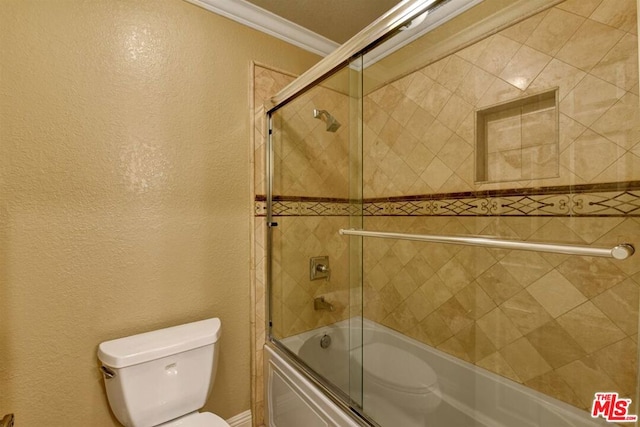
x: 322, y: 268
x: 319, y: 268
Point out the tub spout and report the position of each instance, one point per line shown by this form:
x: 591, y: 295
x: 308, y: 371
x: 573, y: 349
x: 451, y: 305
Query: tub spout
x: 320, y: 304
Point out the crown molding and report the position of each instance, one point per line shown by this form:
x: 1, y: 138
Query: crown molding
x: 262, y: 20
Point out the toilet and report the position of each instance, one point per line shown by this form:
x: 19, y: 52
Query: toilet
x: 163, y: 377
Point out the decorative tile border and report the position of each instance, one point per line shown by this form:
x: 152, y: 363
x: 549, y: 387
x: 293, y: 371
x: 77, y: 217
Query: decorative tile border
x: 587, y: 200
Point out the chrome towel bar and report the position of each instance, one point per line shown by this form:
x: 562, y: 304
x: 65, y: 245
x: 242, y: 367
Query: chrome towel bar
x: 621, y: 251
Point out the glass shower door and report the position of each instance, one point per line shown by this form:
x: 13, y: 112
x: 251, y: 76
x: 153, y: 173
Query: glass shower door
x: 314, y: 299
x: 527, y: 134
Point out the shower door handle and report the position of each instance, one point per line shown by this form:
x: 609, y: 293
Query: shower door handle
x: 621, y: 251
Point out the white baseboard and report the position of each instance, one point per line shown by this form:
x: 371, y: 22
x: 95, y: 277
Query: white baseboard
x: 240, y: 420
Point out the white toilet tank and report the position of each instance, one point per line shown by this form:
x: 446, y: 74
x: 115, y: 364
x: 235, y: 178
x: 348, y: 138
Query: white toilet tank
x: 157, y: 376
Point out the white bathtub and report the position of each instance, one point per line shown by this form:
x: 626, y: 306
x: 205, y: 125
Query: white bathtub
x: 422, y: 386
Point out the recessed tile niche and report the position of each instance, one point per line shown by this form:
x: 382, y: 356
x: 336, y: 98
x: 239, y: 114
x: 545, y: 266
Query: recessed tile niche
x: 518, y: 140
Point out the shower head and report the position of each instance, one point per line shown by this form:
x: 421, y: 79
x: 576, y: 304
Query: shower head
x: 332, y: 124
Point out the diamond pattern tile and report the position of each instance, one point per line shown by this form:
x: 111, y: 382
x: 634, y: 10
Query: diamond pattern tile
x: 496, y: 308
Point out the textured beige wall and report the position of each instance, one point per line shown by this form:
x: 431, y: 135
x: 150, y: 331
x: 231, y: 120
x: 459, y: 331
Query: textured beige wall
x: 125, y: 194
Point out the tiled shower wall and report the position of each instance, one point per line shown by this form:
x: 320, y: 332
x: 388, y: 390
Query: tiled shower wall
x: 566, y: 326
x: 420, y: 130
x: 310, y: 164
x: 563, y: 325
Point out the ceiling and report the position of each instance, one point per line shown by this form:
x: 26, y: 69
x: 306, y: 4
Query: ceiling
x: 337, y: 20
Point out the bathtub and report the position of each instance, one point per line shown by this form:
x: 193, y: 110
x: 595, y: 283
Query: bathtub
x: 404, y: 383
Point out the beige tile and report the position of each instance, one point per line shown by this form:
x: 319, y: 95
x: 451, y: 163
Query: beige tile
x: 467, y: 129
x: 374, y: 117
x: 617, y: 13
x: 454, y: 152
x: 620, y: 65
x: 390, y: 132
x: 558, y: 74
x: 474, y: 85
x: 504, y: 165
x: 475, y: 301
x: 552, y: 384
x: 475, y: 343
x: 499, y: 91
x: 540, y: 127
x: 590, y: 155
x: 435, y: 329
x: 390, y: 298
x: 435, y: 99
x: 419, y: 122
x: 454, y: 112
x: 497, y: 55
x: 387, y: 97
x: 554, y: 31
x: 436, y: 174
x: 454, y: 348
x: 590, y: 327
x: 499, y: 284
x: 626, y: 168
x: 525, y: 312
x: 404, y: 83
x: 433, y: 70
x: 570, y: 130
x: 591, y: 229
x: 555, y: 345
x: 540, y: 162
x: 521, y: 31
x: 404, y: 284
x: 436, y: 136
x: 419, y: 158
x: 580, y: 7
x: 474, y: 51
x: 621, y: 123
x: 454, y: 315
x: 590, y: 275
x: 499, y: 328
x: 556, y: 294
x: 454, y: 73
x: 419, y: 88
x: 475, y: 260
x: 504, y: 130
x: 590, y: 99
x: 620, y: 304
x: 524, y: 67
x: 496, y: 364
x: 419, y: 305
x: 589, y: 44
x: 524, y: 359
x: 404, y: 110
x: 620, y: 362
x: 437, y: 255
x: 585, y: 378
x: 525, y: 267
x: 405, y: 143
x: 401, y: 319
x: 454, y: 275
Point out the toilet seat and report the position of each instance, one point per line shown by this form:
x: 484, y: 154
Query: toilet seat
x: 197, y: 419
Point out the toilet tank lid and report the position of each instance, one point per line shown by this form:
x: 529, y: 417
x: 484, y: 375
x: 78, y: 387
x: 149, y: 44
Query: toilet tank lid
x: 128, y: 351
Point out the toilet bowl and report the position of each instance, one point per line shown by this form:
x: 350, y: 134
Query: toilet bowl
x: 163, y: 377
